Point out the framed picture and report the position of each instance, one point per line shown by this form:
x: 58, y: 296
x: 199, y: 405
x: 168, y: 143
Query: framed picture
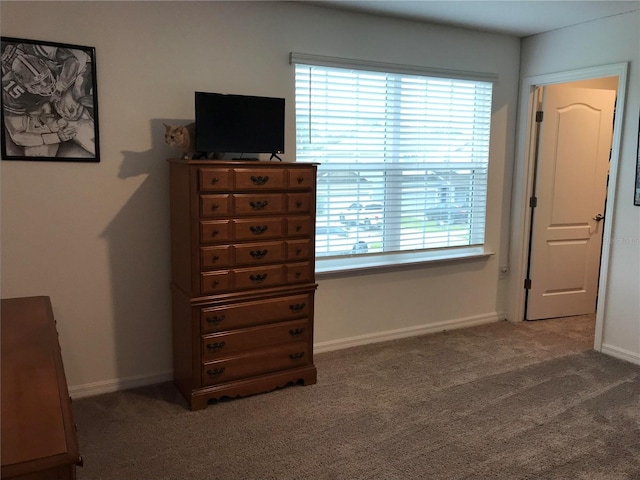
x: 49, y: 101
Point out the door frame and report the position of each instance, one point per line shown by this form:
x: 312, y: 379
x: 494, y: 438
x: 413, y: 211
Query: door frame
x: 523, y: 176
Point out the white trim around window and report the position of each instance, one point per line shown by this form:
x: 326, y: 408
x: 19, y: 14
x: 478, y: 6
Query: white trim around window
x: 403, y: 155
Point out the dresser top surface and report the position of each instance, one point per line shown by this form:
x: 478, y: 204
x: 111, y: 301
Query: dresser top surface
x: 242, y: 163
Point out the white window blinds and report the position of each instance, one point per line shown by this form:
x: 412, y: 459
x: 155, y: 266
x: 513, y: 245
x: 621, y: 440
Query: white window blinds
x: 403, y: 159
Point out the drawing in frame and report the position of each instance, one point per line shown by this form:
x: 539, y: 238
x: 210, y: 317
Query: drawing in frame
x: 49, y: 101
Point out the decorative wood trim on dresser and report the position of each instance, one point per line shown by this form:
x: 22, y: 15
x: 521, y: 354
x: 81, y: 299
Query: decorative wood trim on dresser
x: 39, y: 440
x: 243, y: 281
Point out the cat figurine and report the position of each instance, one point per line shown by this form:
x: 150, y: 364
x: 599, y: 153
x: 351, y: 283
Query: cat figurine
x: 182, y: 137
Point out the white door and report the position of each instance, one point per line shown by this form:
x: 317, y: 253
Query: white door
x: 571, y: 185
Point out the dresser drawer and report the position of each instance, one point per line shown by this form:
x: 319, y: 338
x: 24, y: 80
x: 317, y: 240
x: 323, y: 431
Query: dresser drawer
x: 299, y: 202
x: 286, y: 356
x: 259, y: 178
x: 215, y: 205
x: 215, y: 231
x: 298, y: 249
x: 259, y: 277
x: 259, y: 253
x: 301, y: 178
x: 299, y: 272
x: 299, y: 226
x: 220, y: 345
x: 215, y: 179
x: 215, y: 282
x: 258, y: 228
x: 215, y: 257
x: 259, y: 204
x: 247, y: 314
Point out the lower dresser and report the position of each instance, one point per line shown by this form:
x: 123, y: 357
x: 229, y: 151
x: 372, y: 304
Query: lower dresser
x: 243, y: 286
x: 237, y: 348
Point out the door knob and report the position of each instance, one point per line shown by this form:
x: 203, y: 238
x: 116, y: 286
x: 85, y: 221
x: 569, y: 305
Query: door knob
x: 598, y: 217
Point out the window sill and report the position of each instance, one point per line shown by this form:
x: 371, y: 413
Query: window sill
x: 356, y: 265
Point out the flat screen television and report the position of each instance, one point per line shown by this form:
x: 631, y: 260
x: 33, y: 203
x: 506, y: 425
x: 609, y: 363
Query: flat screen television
x: 239, y: 124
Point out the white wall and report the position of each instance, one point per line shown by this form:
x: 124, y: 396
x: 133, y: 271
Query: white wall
x: 607, y: 41
x: 95, y: 237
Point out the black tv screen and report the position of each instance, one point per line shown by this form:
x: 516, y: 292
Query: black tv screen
x: 239, y: 123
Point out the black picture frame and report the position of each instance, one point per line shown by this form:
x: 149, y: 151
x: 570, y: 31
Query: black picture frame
x: 636, y: 199
x: 49, y: 101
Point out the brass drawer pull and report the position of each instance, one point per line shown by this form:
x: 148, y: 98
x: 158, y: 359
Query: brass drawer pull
x: 296, y: 356
x: 212, y: 347
x: 259, y: 205
x: 300, y: 179
x: 214, y: 180
x: 215, y: 206
x: 258, y: 229
x: 215, y: 371
x: 216, y: 319
x: 261, y: 277
x: 296, y: 307
x: 259, y: 180
x: 215, y: 258
x: 296, y: 331
x: 214, y: 233
x: 257, y: 254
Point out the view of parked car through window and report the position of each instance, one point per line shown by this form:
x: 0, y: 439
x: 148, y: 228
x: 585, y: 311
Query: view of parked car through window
x: 416, y: 209
x: 370, y: 215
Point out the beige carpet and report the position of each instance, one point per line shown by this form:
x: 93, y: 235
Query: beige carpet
x: 501, y: 401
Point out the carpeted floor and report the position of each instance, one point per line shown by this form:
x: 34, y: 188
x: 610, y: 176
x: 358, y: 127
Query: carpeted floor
x: 500, y: 401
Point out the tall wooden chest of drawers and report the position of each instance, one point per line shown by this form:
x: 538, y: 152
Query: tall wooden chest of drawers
x: 243, y: 282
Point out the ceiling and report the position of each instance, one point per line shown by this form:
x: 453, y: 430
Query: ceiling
x: 520, y: 18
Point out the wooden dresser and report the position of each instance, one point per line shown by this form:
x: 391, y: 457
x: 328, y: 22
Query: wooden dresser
x: 243, y: 282
x: 39, y: 439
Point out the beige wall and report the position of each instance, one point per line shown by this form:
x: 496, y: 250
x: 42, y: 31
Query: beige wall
x: 95, y: 237
x: 608, y: 41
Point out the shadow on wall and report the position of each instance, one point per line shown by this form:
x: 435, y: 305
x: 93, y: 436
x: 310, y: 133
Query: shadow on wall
x: 138, y: 240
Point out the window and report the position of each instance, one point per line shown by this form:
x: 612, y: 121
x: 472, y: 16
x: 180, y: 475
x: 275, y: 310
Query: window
x: 403, y: 161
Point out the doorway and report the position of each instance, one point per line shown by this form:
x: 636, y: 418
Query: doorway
x: 523, y: 186
x: 573, y: 134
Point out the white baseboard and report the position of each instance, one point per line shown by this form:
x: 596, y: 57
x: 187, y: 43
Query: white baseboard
x: 110, y: 386
x: 368, y: 338
x: 115, y: 385
x: 621, y: 353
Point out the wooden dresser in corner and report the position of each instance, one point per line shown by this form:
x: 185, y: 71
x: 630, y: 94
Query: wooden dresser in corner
x: 243, y: 282
x: 39, y: 439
